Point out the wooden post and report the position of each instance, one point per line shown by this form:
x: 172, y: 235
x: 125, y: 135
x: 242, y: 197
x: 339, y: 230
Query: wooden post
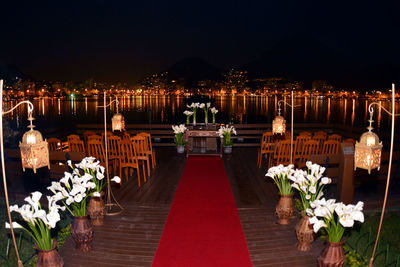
x: 345, y: 183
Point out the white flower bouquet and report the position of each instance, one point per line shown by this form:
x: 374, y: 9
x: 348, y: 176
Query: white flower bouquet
x: 334, y: 217
x: 178, y: 131
x: 213, y: 112
x: 226, y: 132
x: 309, y: 183
x: 205, y: 107
x: 85, y: 180
x: 39, y: 222
x: 281, y: 174
x: 188, y: 113
x: 194, y: 107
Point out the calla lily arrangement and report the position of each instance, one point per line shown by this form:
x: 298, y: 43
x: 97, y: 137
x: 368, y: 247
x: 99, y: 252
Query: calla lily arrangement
x: 205, y: 107
x: 334, y: 217
x: 213, y: 112
x: 39, y: 222
x: 226, y: 132
x: 178, y: 131
x: 281, y: 174
x: 188, y: 114
x: 76, y: 187
x: 194, y: 107
x: 309, y: 183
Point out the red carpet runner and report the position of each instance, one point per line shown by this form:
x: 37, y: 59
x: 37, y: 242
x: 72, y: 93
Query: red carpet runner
x: 203, y: 226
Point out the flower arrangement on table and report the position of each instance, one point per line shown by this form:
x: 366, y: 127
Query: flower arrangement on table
x: 226, y: 133
x: 188, y: 113
x: 194, y: 107
x: 87, y: 178
x: 39, y: 222
x: 205, y: 108
x: 178, y: 131
x: 281, y: 176
x: 309, y: 183
x: 213, y: 112
x: 334, y: 217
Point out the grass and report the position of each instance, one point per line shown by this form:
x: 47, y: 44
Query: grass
x: 360, y: 242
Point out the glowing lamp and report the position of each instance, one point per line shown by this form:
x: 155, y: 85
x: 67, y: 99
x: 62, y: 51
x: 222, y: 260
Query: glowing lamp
x: 34, y: 150
x: 367, y: 154
x: 118, y: 122
x: 279, y: 125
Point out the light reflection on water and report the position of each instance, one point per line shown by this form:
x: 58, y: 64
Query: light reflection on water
x: 169, y: 109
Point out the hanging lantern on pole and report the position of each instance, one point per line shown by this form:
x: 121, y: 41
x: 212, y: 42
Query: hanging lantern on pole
x: 368, y: 151
x: 279, y: 123
x: 34, y: 150
x: 117, y: 121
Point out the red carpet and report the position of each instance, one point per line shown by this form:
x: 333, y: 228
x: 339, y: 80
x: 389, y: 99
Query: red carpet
x: 203, y: 226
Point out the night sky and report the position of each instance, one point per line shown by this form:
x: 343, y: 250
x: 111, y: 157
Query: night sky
x: 125, y: 40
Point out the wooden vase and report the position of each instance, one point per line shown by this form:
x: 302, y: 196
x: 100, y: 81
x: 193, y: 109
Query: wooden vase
x: 96, y: 211
x: 49, y: 258
x: 284, y: 209
x: 332, y: 255
x: 305, y: 233
x: 82, y: 233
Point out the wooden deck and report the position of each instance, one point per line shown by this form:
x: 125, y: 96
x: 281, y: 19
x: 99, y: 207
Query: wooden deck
x: 131, y: 238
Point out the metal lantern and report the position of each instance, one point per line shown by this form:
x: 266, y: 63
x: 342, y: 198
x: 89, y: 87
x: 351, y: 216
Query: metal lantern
x: 368, y: 151
x: 118, y: 122
x: 279, y: 125
x: 34, y: 151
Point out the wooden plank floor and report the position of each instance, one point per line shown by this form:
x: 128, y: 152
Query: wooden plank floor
x: 131, y: 238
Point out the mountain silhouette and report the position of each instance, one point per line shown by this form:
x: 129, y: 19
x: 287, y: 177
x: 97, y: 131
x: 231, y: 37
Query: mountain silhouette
x: 193, y: 69
x: 10, y: 72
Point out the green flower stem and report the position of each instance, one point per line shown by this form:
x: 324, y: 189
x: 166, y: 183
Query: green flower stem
x: 213, y: 118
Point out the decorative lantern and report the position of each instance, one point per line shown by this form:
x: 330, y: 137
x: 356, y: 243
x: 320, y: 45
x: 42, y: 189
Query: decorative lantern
x: 118, y: 122
x: 368, y: 151
x: 34, y: 151
x: 279, y: 125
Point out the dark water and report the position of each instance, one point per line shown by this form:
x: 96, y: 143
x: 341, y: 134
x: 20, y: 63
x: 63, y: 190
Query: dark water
x: 53, y: 112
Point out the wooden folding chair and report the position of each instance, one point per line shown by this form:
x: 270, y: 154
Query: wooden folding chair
x: 321, y: 140
x: 96, y: 149
x: 305, y: 133
x: 310, y: 147
x: 335, y: 137
x: 282, y: 153
x: 128, y: 159
x: 331, y: 147
x: 94, y: 137
x: 298, y: 145
x: 126, y: 136
x: 76, y: 145
x: 73, y: 137
x: 266, y: 147
x: 149, y: 148
x: 113, y: 150
x: 54, y: 144
x: 140, y: 145
x: 323, y: 133
x: 86, y: 134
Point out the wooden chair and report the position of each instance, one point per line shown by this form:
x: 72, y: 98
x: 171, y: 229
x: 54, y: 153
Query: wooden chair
x: 76, y: 145
x: 140, y: 145
x: 298, y: 145
x: 320, y: 138
x: 266, y: 147
x: 335, y: 137
x: 96, y: 149
x: 86, y: 134
x: 349, y: 141
x: 73, y: 137
x: 113, y: 150
x: 282, y: 153
x: 305, y: 133
x: 331, y: 147
x: 322, y: 133
x: 126, y: 136
x: 54, y: 144
x: 95, y: 137
x: 149, y: 148
x: 129, y: 160
x: 310, y: 147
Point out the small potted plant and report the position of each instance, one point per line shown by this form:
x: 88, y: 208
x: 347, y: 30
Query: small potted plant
x: 280, y: 175
x: 38, y: 223
x: 179, y: 130
x: 334, y: 217
x: 309, y: 184
x: 226, y: 132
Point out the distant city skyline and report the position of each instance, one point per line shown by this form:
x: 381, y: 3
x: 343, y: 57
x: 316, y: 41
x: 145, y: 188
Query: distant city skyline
x: 126, y: 41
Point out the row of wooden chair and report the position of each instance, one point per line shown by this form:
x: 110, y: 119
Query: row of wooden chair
x: 305, y: 145
x: 126, y: 153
